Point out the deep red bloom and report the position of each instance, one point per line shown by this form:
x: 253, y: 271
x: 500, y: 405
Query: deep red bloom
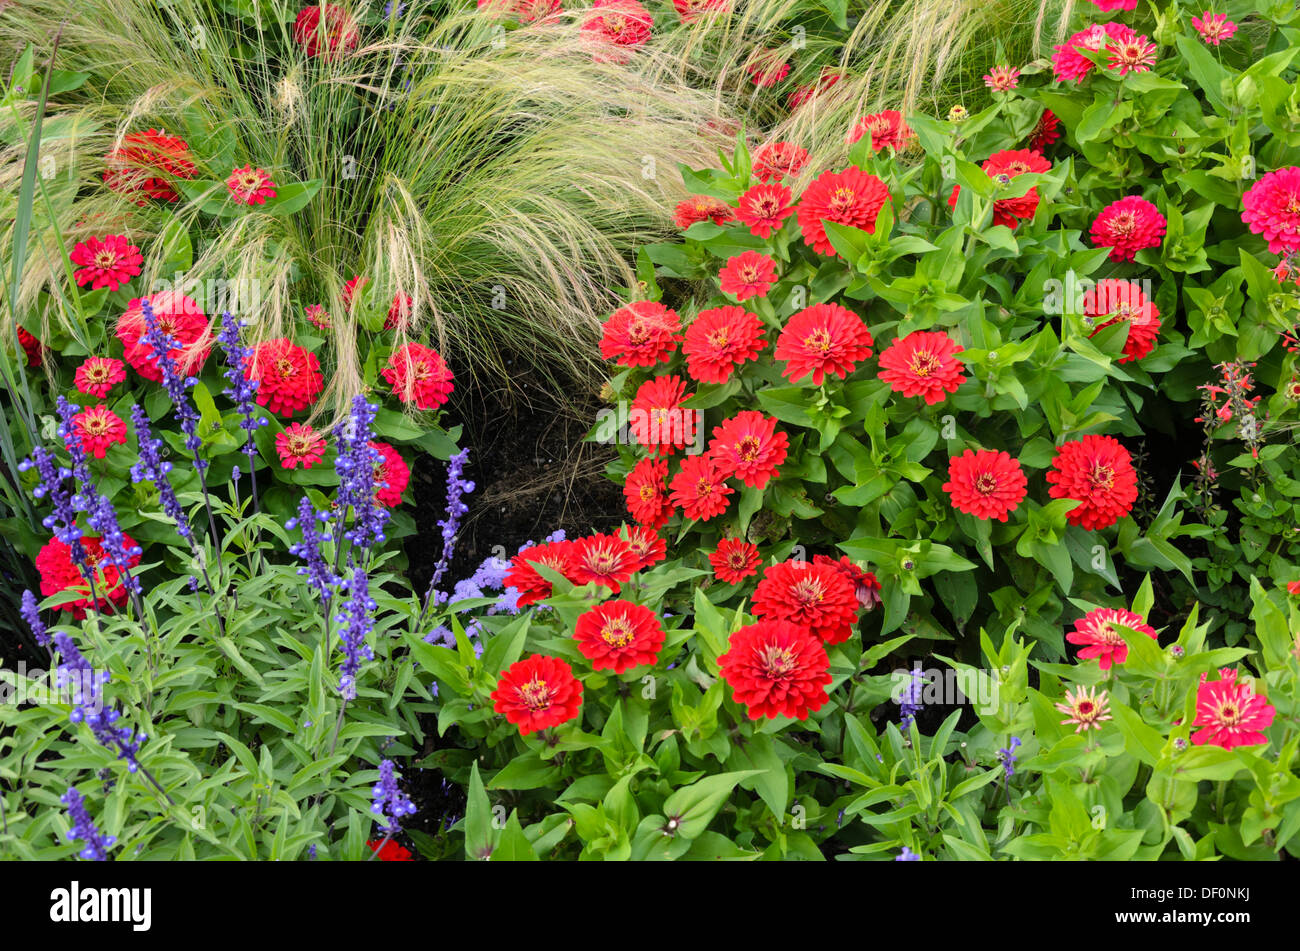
x: 646, y: 544
x: 59, y: 574
x: 143, y: 165
x: 700, y: 489
x: 1231, y: 713
x: 524, y: 577
x: 1069, y: 65
x: 812, y: 90
x: 864, y: 582
x: 658, y: 420
x: 923, y: 364
x: 852, y: 198
x: 748, y: 274
x: 815, y: 596
x: 327, y: 31
x: 1272, y: 209
x: 1293, y: 588
x: 418, y: 375
x: 824, y: 339
x: 764, y: 208
x: 699, y: 208
x: 619, y: 635
x: 391, y: 475
x: 779, y: 160
x: 777, y: 669
x: 96, y: 428
x: 614, y: 25
x: 1127, y: 226
x: 97, y: 375
x: 641, y: 334
x: 606, y: 560
x: 299, y: 443
x: 985, y: 484
x: 250, y: 186
x: 748, y: 447
x: 178, y: 316
x: 1002, y: 167
x: 735, y: 560
x: 109, y: 262
x: 721, y: 339
x: 33, y: 349
x: 887, y: 130
x: 389, y: 851
x: 538, y: 692
x: 1047, y: 131
x: 1111, y: 301
x: 646, y: 491
x: 289, y: 377
x: 352, y: 288
x: 1096, y: 631
x: 767, y: 67
x: 1097, y: 471
x: 399, y: 312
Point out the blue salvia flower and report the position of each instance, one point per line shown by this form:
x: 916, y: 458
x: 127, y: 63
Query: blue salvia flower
x: 355, y: 465
x: 153, y: 468
x: 356, y: 620
x: 393, y: 8
x: 907, y: 855
x: 52, y: 485
x: 388, y: 801
x: 1008, y: 757
x: 241, y: 391
x: 910, y: 702
x: 176, y: 384
x: 88, y: 702
x: 32, y: 615
x: 84, y: 829
x: 457, y: 488
x: 316, y: 570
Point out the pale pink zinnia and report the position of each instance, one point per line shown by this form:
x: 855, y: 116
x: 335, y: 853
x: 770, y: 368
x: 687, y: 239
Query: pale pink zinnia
x: 1002, y: 78
x: 1214, y: 27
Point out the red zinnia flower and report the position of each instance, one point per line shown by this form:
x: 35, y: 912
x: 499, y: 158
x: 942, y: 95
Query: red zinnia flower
x: 1293, y: 588
x: 777, y: 669
x: 646, y: 491
x: 137, y: 167
x: 32, y: 348
x: 418, y: 375
x: 299, y: 443
x: 764, y: 208
x: 887, y: 130
x: 1272, y: 209
x: 640, y: 334
x: 109, y: 262
x: 608, y: 560
x: 692, y: 10
x: 1096, y: 631
x: 749, y: 274
x: 250, y: 186
x: 923, y: 364
x: 1070, y: 65
x: 525, y: 579
x: 658, y: 420
x: 1002, y: 167
x: 721, y: 339
x: 779, y: 160
x: 1231, y: 713
x: 767, y: 67
x: 399, y: 312
x: 327, y: 31
x: 288, y: 376
x: 525, y: 11
x: 985, y: 484
x: 1113, y: 301
x: 619, y: 635
x: 1047, y: 131
x: 851, y: 197
x: 699, y: 208
x: 389, y: 851
x: 352, y: 288
x: 1097, y: 471
x: 97, y: 375
x: 538, y: 692
x: 1127, y: 226
x: 96, y: 428
x: 59, y: 574
x: 615, y: 24
x: 645, y: 544
x: 815, y: 596
x: 319, y: 317
x: 178, y: 316
x: 824, y: 339
x: 864, y: 582
x: 748, y: 447
x: 735, y: 560
x: 812, y: 90
x: 699, y: 488
x: 391, y: 475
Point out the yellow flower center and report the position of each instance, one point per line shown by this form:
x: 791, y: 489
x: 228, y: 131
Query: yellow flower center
x: 617, y: 632
x: 535, y: 695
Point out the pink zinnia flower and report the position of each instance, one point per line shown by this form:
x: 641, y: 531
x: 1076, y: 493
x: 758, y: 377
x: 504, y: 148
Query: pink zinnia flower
x: 1096, y: 631
x: 1214, y: 27
x: 1129, y: 225
x: 747, y: 275
x: 1272, y: 209
x: 1002, y: 78
x: 764, y: 208
x: 108, y: 262
x: 250, y: 186
x: 1231, y: 713
x: 1105, y: 6
x: 97, y: 375
x: 1087, y: 708
x: 1132, y: 55
x: 1069, y: 65
x: 97, y: 428
x: 887, y: 130
x: 614, y: 25
x: 299, y: 444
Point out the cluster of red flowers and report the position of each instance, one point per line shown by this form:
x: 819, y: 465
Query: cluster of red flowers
x: 145, y: 164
